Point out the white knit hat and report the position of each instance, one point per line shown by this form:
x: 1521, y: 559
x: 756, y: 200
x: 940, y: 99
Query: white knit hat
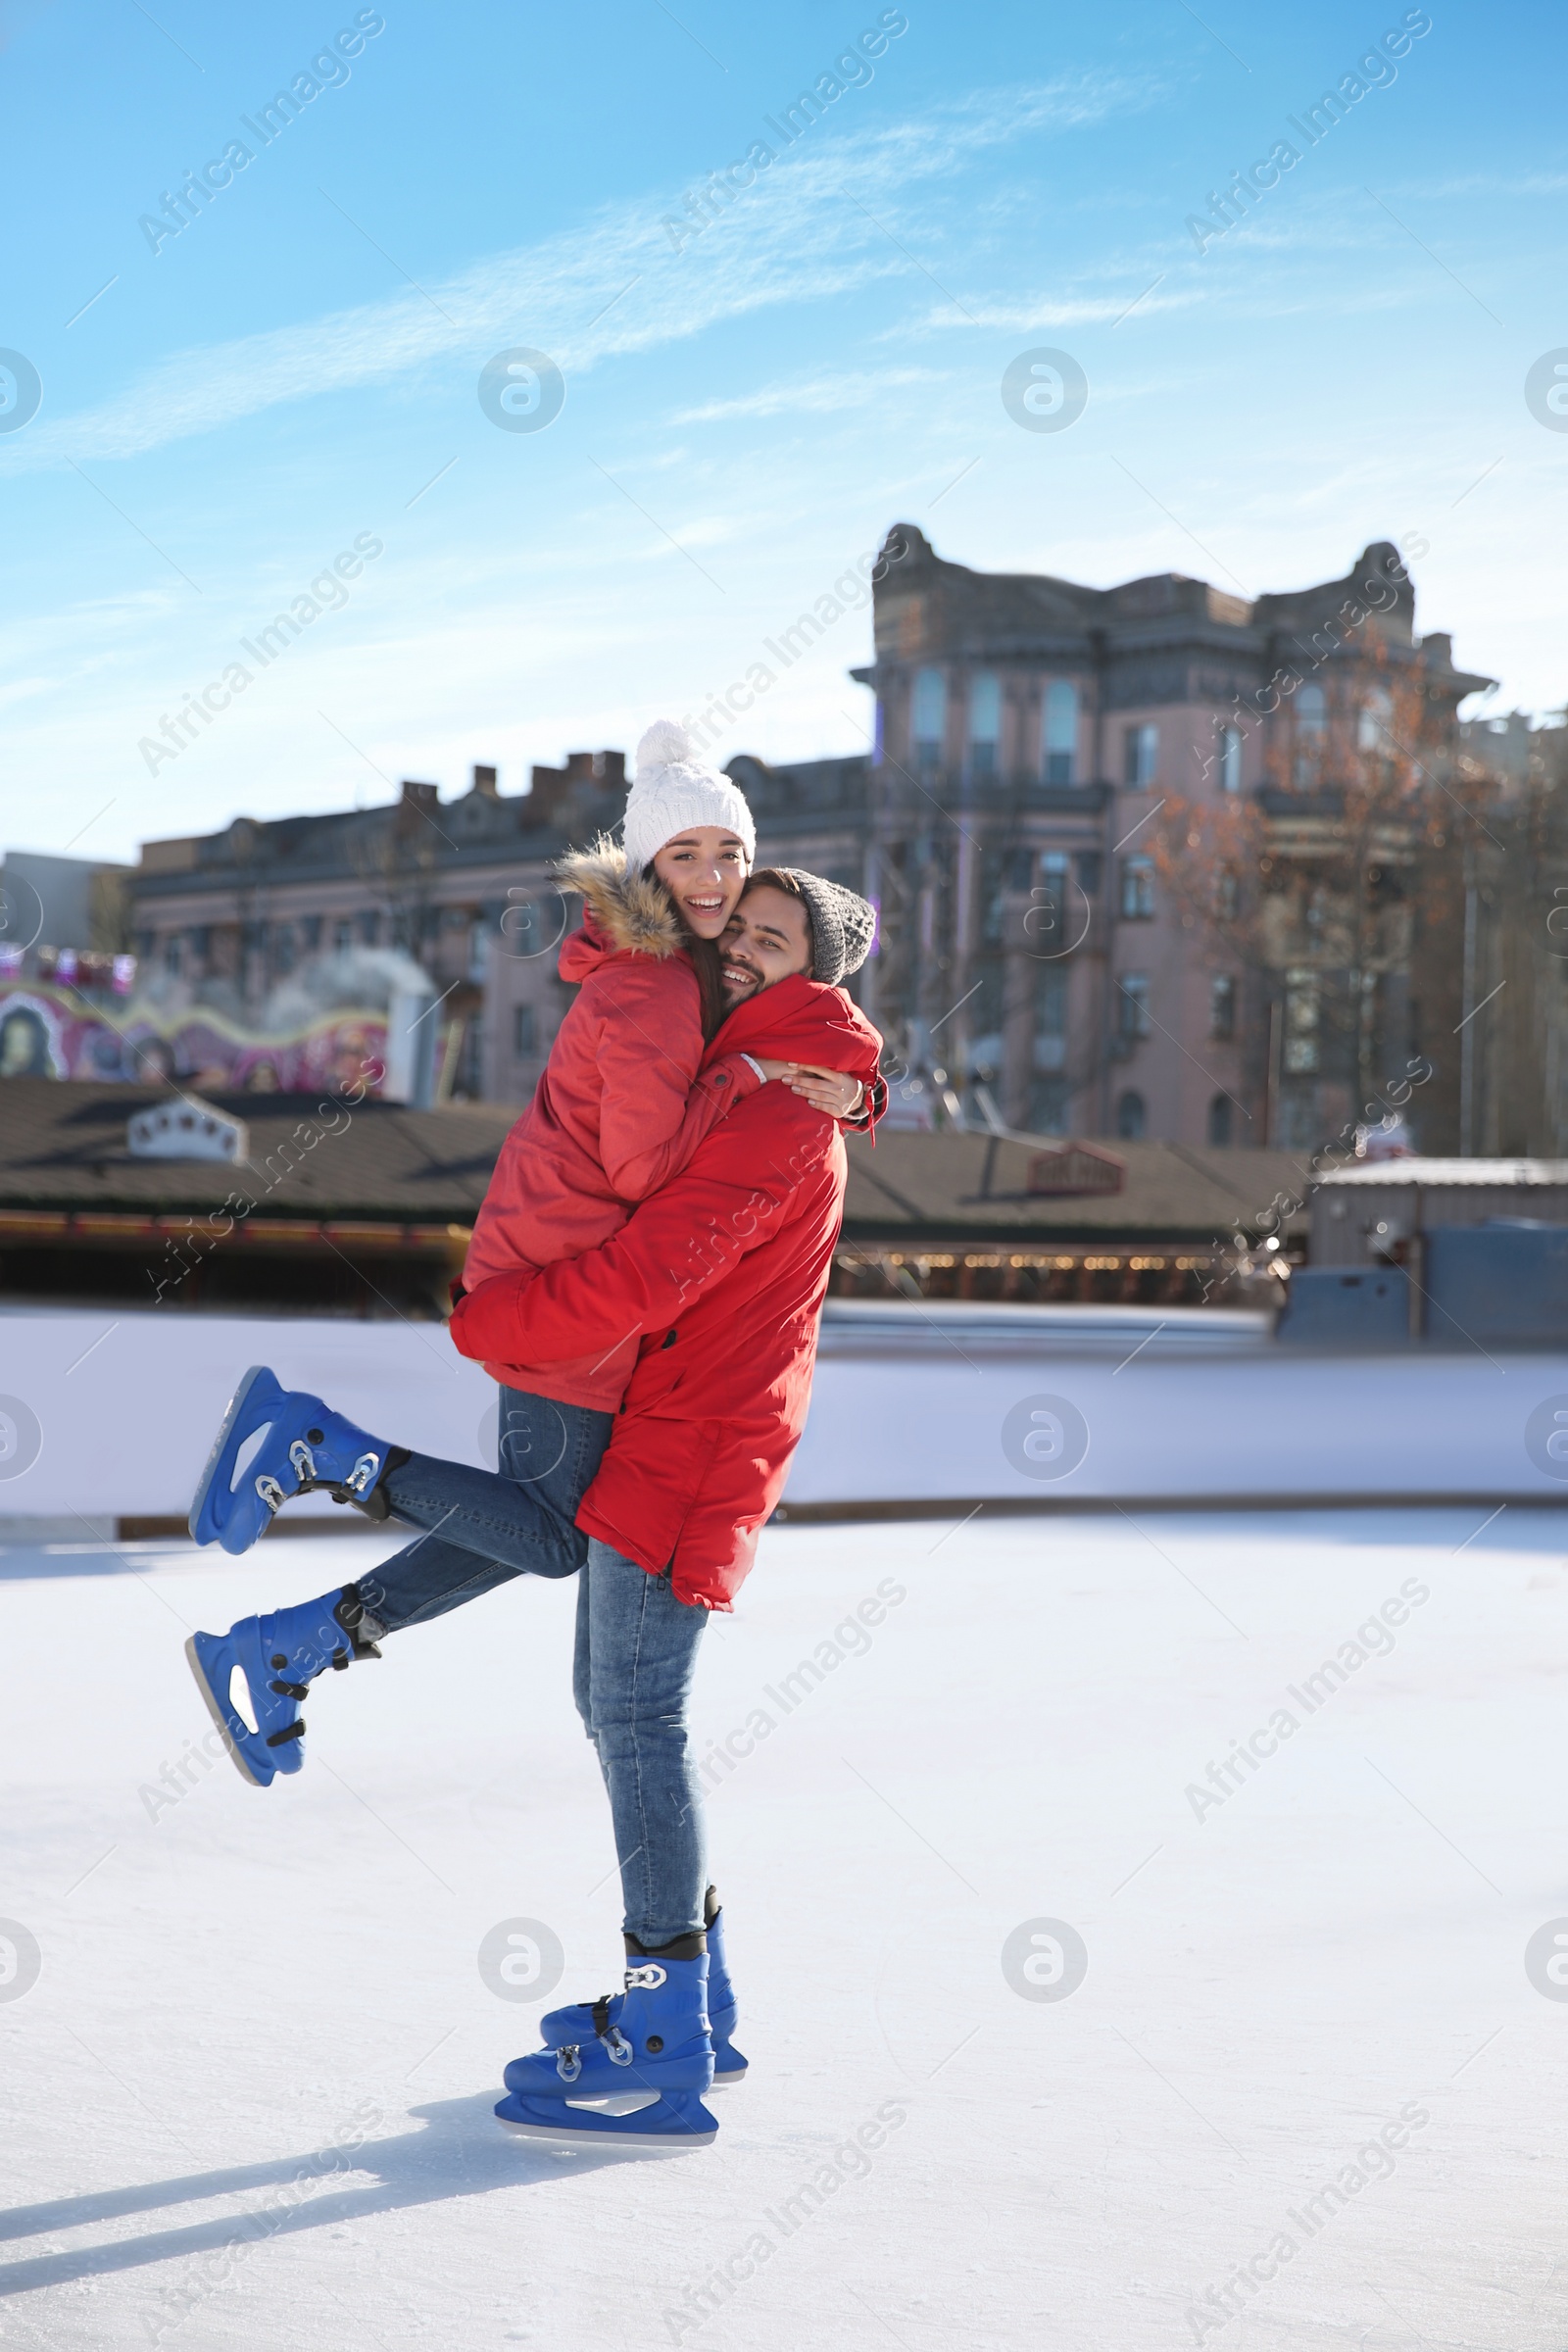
x: 675, y: 789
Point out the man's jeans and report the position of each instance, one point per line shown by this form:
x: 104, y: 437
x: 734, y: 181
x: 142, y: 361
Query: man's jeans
x: 486, y: 1525
x: 631, y: 1680
x: 636, y: 1644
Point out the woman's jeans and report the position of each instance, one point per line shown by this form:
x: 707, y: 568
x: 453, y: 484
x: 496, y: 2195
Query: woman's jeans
x: 636, y: 1644
x: 483, y: 1527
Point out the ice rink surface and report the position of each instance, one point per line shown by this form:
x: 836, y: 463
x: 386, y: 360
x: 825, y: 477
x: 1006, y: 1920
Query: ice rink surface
x: 1306, y: 2095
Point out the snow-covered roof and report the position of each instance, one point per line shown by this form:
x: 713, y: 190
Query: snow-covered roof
x: 1449, y: 1171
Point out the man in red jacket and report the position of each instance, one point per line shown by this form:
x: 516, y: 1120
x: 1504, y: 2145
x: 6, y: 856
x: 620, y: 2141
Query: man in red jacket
x: 720, y: 1280
x: 721, y: 1275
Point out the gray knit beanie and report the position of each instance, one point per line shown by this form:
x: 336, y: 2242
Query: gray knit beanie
x: 843, y: 924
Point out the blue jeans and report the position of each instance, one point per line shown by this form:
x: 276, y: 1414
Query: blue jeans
x: 483, y: 1527
x: 636, y: 1644
x: 631, y: 1679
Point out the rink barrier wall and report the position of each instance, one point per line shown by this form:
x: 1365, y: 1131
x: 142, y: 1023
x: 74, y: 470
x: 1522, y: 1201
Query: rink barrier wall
x: 918, y: 1411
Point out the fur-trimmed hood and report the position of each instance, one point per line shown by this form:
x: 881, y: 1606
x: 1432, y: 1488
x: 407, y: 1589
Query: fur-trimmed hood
x: 631, y: 912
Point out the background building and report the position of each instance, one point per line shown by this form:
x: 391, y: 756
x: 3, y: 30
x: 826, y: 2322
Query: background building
x: 1107, y: 829
x: 1151, y: 862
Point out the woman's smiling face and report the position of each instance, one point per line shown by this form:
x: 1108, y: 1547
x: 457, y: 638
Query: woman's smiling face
x: 704, y: 871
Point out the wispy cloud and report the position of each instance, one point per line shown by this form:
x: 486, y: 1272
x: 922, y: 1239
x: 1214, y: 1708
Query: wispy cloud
x: 818, y: 396
x: 802, y: 241
x: 1484, y: 183
x: 1023, y: 317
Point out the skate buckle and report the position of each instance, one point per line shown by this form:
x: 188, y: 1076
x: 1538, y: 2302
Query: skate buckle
x: 648, y: 1976
x: 303, y: 1461
x: 620, y: 2050
x: 270, y: 1493
x: 568, y: 2066
x: 363, y: 1475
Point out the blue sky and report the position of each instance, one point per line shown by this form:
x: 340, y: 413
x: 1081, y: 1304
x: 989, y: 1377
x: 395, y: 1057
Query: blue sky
x: 744, y: 416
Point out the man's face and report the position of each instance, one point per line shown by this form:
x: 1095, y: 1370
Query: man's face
x: 767, y: 939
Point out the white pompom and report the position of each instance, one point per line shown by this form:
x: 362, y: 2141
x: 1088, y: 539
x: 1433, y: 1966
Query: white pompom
x: 666, y: 744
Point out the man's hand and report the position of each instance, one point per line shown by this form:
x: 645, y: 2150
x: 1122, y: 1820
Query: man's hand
x: 485, y: 1324
x: 831, y: 1091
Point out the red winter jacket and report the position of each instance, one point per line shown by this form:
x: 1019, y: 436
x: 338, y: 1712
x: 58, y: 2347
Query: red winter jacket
x: 621, y: 1109
x: 722, y: 1273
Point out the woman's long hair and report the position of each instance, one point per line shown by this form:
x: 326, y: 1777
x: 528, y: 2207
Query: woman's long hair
x: 705, y: 962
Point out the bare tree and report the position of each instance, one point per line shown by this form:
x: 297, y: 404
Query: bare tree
x: 1335, y: 891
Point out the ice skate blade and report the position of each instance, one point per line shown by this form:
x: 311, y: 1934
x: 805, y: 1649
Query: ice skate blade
x: 729, y: 2066
x: 208, y: 1475
x: 219, y: 1717
x: 685, y: 2127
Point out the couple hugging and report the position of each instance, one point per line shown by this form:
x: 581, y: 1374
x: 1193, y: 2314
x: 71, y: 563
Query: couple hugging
x: 645, y: 1282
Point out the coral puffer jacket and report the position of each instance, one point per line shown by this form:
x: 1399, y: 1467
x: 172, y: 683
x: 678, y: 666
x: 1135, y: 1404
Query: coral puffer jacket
x: 620, y: 1108
x: 721, y: 1274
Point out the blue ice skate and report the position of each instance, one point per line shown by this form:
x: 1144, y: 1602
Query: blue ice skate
x: 275, y: 1443
x: 577, y: 2021
x: 659, y: 2049
x: 276, y: 1657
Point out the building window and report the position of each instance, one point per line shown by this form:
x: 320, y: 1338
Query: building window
x: 1051, y: 1016
x: 1220, y: 1122
x: 1020, y: 869
x: 1229, y: 759
x: 284, y: 948
x: 471, y: 1065
x: 1087, y: 862
x: 369, y: 926
x: 1311, y: 727
x: 1046, y: 923
x: 1131, y: 1116
x: 342, y: 936
x: 175, y: 954
x: 524, y: 1032
x: 930, y: 717
x: 993, y: 881
x: 1302, y: 1014
x: 1061, y: 731
x: 1223, y: 1005
x: 1372, y: 721
x: 1139, y: 757
x: 984, y: 1020
x: 1137, y: 889
x: 1047, y: 1106
x: 1132, y: 999
x: 310, y: 933
x: 985, y: 723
